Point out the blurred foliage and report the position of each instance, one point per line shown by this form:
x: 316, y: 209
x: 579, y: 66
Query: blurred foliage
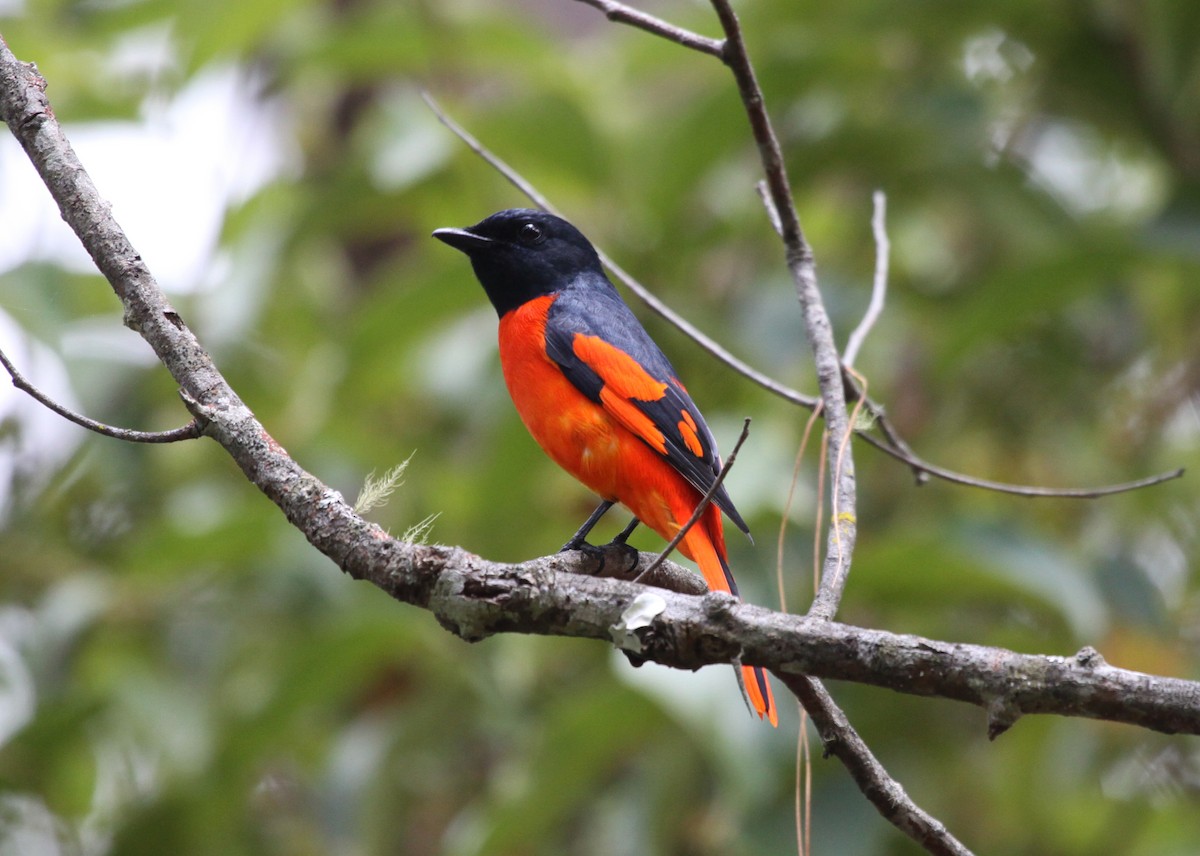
x: 181, y: 673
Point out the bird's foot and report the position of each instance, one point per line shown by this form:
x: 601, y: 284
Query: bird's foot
x: 596, y: 555
x: 615, y: 559
x: 580, y: 544
x: 625, y: 555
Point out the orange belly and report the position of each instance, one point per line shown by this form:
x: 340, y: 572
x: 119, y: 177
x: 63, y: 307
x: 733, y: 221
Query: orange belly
x: 579, y: 434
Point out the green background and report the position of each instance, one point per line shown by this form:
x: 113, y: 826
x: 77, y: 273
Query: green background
x: 196, y: 679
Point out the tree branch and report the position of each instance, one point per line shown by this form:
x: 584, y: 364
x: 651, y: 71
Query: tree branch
x: 907, y: 456
x: 843, y: 525
x: 190, y: 431
x: 841, y: 740
x: 475, y: 598
x: 623, y: 14
x: 878, y: 284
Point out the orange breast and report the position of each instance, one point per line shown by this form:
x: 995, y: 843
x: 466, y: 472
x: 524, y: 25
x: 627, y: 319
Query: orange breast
x: 579, y: 434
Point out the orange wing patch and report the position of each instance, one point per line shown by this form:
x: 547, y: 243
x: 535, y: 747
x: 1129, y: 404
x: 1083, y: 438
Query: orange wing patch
x: 624, y: 381
x: 635, y: 420
x: 688, y: 430
x: 620, y: 372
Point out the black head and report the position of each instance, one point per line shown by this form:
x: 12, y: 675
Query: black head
x: 520, y: 254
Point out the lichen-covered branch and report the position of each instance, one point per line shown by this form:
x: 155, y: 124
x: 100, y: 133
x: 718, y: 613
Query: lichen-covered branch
x: 843, y: 525
x: 475, y: 598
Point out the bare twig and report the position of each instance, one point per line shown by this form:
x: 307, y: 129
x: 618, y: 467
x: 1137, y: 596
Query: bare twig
x: 885, y: 793
x: 832, y: 584
x: 780, y: 539
x: 803, y: 820
x: 878, y: 285
x: 803, y: 782
x: 623, y: 14
x: 702, y: 506
x: 1030, y: 491
x: 843, y: 526
x: 320, y: 512
x: 764, y: 193
x: 190, y: 431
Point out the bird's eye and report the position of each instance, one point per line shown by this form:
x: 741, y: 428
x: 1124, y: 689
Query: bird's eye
x: 531, y: 234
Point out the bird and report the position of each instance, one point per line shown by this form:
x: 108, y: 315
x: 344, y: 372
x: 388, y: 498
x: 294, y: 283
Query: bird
x: 599, y: 396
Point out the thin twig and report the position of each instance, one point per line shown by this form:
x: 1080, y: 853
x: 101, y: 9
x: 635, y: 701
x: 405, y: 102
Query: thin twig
x: 898, y: 449
x: 190, y: 431
x: 808, y: 782
x: 764, y: 193
x: 878, y: 286
x: 1030, y: 491
x: 705, y: 501
x: 622, y: 14
x: 820, y: 511
x: 880, y: 419
x: 885, y: 793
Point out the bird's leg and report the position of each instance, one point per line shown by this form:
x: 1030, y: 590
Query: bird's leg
x: 626, y: 532
x: 579, y: 539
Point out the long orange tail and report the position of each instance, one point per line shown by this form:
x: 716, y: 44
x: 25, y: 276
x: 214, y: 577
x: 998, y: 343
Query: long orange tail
x: 705, y: 544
